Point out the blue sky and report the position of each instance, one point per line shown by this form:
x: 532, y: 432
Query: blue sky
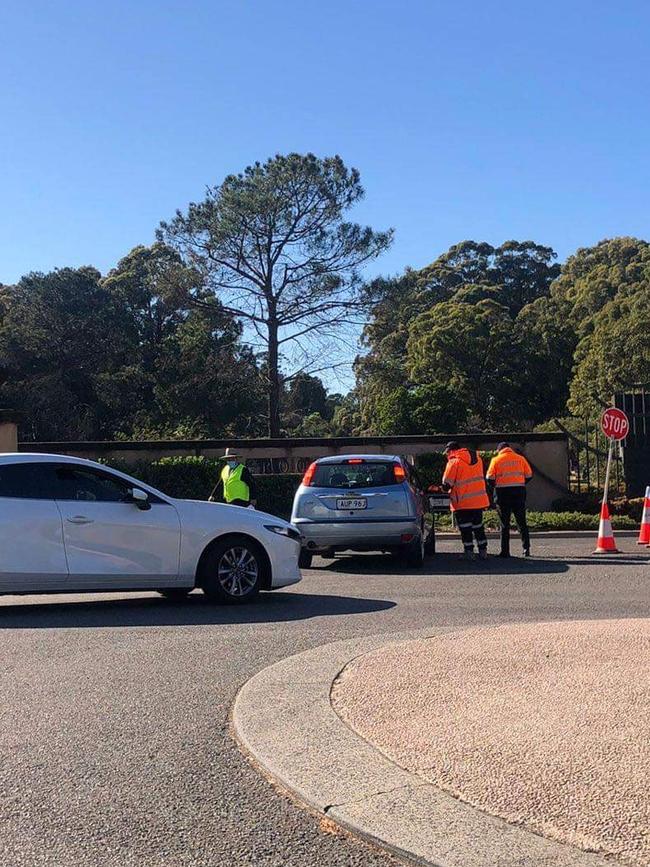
x: 483, y: 120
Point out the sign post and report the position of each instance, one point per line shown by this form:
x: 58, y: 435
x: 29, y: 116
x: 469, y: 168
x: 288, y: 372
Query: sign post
x: 615, y: 426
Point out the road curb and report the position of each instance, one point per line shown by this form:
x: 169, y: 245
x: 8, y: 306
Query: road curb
x: 283, y: 718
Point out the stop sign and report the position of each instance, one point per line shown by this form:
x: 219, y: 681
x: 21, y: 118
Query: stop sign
x: 615, y: 423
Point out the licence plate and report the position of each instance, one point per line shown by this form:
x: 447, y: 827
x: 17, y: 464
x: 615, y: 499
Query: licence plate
x: 351, y: 503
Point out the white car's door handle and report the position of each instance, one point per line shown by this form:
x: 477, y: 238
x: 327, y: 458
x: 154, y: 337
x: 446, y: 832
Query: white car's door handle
x: 79, y: 519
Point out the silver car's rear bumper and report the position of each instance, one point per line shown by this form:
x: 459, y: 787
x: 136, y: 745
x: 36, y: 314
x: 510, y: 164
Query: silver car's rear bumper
x: 353, y: 534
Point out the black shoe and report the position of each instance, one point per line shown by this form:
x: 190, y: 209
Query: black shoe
x: 526, y: 552
x: 503, y: 555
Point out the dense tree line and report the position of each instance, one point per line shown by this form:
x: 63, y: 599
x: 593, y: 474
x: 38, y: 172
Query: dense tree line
x: 220, y: 327
x: 503, y: 338
x: 86, y: 357
x: 145, y: 352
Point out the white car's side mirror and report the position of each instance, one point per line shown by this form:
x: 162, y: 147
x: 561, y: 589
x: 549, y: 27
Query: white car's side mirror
x: 140, y: 498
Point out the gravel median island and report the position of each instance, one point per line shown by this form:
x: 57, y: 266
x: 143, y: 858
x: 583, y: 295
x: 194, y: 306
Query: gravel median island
x: 544, y: 725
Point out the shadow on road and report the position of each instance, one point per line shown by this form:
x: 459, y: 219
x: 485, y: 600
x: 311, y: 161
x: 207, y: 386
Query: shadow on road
x: 196, y: 610
x: 441, y: 564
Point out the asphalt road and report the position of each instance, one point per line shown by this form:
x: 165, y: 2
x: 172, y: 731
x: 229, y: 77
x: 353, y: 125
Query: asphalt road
x: 115, y: 745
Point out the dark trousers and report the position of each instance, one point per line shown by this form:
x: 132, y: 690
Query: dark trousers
x: 509, y: 502
x: 470, y: 524
x: 239, y: 503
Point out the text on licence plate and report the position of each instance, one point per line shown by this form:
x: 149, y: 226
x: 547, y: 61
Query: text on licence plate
x: 352, y: 503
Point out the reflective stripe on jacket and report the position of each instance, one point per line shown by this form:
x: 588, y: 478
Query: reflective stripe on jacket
x: 233, y: 486
x: 464, y: 475
x: 509, y: 469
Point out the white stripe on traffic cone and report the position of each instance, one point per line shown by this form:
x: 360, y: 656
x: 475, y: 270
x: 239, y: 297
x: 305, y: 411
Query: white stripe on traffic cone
x: 606, y: 542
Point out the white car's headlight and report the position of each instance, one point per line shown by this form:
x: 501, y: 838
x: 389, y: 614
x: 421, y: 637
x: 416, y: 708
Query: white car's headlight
x: 279, y: 530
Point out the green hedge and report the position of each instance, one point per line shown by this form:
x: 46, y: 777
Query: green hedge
x: 589, y: 503
x: 431, y: 466
x: 553, y: 521
x: 193, y: 478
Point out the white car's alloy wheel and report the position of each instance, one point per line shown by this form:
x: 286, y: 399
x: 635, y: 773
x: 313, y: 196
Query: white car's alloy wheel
x: 238, y: 571
x: 233, y: 570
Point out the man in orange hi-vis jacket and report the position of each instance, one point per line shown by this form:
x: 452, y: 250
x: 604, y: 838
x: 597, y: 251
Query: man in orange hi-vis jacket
x: 463, y: 478
x: 507, y: 477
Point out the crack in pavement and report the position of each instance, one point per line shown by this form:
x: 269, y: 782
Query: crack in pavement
x: 405, y: 786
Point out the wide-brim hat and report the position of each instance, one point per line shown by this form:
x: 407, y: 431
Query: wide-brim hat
x: 230, y: 453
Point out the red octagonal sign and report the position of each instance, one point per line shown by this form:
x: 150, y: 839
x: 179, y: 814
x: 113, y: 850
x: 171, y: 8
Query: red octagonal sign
x: 615, y: 423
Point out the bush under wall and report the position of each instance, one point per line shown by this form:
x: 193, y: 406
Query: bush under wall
x: 193, y: 478
x: 552, y: 521
x: 589, y: 503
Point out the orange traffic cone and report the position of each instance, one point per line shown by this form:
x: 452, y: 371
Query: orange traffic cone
x: 644, y: 532
x: 606, y: 541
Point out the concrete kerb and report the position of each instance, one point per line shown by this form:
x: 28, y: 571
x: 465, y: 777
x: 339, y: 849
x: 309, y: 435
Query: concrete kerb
x: 284, y: 720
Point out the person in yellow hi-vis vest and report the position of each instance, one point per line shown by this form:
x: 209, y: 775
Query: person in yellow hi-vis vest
x: 238, y: 484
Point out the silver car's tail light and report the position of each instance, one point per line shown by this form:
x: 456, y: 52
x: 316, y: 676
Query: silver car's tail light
x: 309, y: 474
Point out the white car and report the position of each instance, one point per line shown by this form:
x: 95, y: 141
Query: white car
x: 70, y: 524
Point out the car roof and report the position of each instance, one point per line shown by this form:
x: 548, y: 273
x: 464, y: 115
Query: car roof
x: 338, y: 459
x: 41, y: 457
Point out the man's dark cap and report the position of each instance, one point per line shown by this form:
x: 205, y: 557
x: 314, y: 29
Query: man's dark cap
x: 452, y: 446
x: 503, y: 446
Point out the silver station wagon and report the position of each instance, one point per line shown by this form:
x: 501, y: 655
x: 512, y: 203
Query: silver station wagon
x: 362, y: 503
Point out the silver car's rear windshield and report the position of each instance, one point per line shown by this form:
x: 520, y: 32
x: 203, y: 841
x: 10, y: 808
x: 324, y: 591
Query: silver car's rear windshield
x: 354, y: 475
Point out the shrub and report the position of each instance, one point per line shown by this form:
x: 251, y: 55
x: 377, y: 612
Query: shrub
x: 632, y: 507
x: 193, y: 478
x: 431, y: 466
x: 275, y: 493
x: 589, y: 503
x: 552, y: 521
x: 575, y: 521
